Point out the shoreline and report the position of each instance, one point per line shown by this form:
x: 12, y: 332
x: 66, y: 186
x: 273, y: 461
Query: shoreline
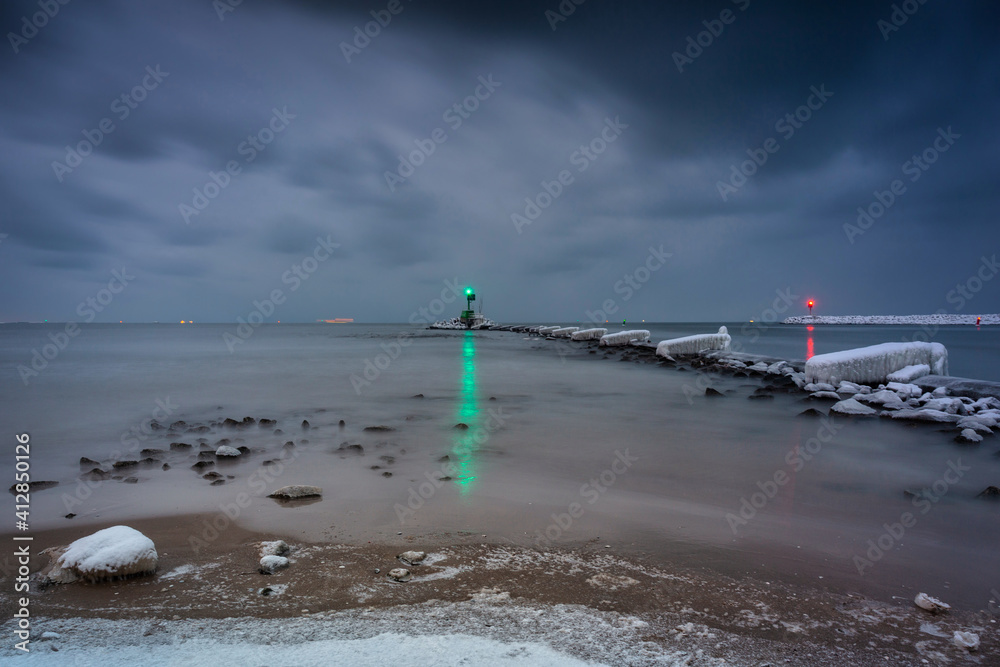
x: 476, y: 588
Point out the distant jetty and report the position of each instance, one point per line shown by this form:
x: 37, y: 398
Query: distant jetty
x: 940, y: 319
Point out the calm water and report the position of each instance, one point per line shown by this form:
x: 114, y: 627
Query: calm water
x: 574, y: 446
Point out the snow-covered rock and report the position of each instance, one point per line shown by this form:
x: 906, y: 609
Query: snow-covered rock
x: 848, y: 388
x: 588, y: 334
x: 624, y: 337
x: 909, y: 373
x: 544, y: 331
x: 968, y: 436
x: 911, y: 414
x: 297, y: 491
x: 114, y: 552
x: 952, y: 406
x: 412, y: 557
x: 271, y: 564
x: 399, y: 574
x: 905, y: 390
x: 759, y: 367
x: 274, y: 548
x: 851, y: 407
x: 869, y: 365
x: 695, y: 344
x: 967, y: 640
x: 226, y: 451
x: 933, y: 605
x: 827, y: 395
x: 889, y: 400
x: 819, y: 386
x: 564, y: 332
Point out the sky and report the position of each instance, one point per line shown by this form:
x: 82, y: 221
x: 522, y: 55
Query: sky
x: 678, y: 161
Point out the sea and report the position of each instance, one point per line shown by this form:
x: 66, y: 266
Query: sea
x: 509, y: 438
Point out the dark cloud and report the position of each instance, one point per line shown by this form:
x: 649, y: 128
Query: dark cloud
x: 323, y: 172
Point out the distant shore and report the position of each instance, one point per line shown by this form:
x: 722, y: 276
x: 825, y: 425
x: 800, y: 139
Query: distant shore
x: 940, y: 319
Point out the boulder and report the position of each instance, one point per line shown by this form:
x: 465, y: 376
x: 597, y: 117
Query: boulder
x: 297, y: 491
x: 111, y: 553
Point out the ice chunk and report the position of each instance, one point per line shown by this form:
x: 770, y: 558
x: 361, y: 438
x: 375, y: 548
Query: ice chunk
x: 624, y: 337
x: 851, y: 407
x: 909, y: 373
x: 695, y: 344
x: 118, y: 551
x: 564, y: 332
x: 588, y: 334
x: 933, y: 605
x: 967, y: 640
x: 869, y: 365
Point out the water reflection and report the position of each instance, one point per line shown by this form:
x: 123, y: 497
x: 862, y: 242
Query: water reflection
x: 464, y: 444
x: 809, y: 344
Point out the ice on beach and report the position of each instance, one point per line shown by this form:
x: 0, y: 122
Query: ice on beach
x: 118, y: 551
x: 625, y: 337
x: 851, y: 407
x: 696, y: 343
x: 564, y: 332
x: 872, y: 365
x: 588, y: 334
x: 909, y: 374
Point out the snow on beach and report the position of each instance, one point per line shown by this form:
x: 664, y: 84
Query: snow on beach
x: 939, y: 319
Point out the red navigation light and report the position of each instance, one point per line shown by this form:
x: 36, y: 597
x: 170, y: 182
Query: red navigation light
x: 810, y: 303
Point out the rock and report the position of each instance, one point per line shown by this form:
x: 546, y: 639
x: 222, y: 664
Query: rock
x: 222, y: 441
x: 243, y: 449
x: 199, y: 429
x: 201, y: 465
x: 96, y: 475
x: 218, y: 482
x: 305, y: 424
x: 297, y: 491
x: 968, y: 437
x: 274, y: 548
x: 227, y: 452
x: 412, y: 557
x: 851, y: 407
x: 462, y: 426
x: 811, y: 412
x: 351, y: 449
x: 70, y: 515
x: 387, y: 474
x: 165, y: 466
x: 206, y: 456
x: 34, y: 486
x: 176, y: 446
x: 177, y: 425
x: 152, y: 452
x: 111, y: 553
x: 379, y: 429
x: 713, y: 392
x: 85, y: 462
x: 967, y: 640
x: 230, y: 423
x: 266, y: 423
x: 212, y: 475
x: 271, y: 564
x: 932, y: 605
x: 124, y: 464
x: 399, y: 574
x: 131, y: 480
x: 990, y: 493
x: 418, y: 396
x: 341, y: 423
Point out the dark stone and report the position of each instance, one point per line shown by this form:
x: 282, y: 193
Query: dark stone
x: 96, y: 475
x: 304, y: 441
x: 156, y: 426
x: 201, y: 465
x: 342, y: 423
x: 152, y: 452
x: 199, y: 429
x: 166, y: 466
x: 990, y: 493
x: 811, y: 412
x: 493, y: 398
x: 379, y: 428
x: 418, y: 396
x: 70, y: 515
x: 230, y: 423
x: 387, y: 474
x: 222, y: 441
x: 388, y: 459
x: 265, y: 423
x: 243, y: 449
x: 445, y: 458
x: 131, y: 480
x: 462, y: 426
x: 756, y: 396
x: 218, y: 482
x: 124, y: 464
x: 713, y: 392
x: 84, y: 461
x: 278, y: 431
x: 178, y: 425
x: 351, y: 449
x: 446, y: 478
x: 248, y: 421
x: 305, y: 424
x: 212, y: 475
x: 206, y: 456
x: 34, y: 486
x: 149, y: 461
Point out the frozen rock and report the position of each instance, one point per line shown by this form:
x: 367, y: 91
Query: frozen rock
x: 873, y: 364
x: 952, y: 406
x: 624, y: 337
x: 846, y: 387
x: 967, y: 640
x: 828, y: 395
x: 399, y: 574
x: 911, y: 414
x: 225, y: 451
x: 968, y: 437
x: 588, y: 334
x: 851, y: 407
x: 932, y: 605
x: 940, y: 391
x: 111, y: 553
x: 819, y: 386
x: 695, y: 344
x: 412, y: 557
x: 759, y: 367
x: 297, y: 491
x: 271, y: 564
x: 909, y: 373
x: 976, y: 424
x: 274, y: 548
x: 889, y: 400
x: 905, y: 390
x: 564, y: 332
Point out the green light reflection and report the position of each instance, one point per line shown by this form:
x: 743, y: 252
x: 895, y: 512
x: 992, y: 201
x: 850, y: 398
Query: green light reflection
x: 464, y: 445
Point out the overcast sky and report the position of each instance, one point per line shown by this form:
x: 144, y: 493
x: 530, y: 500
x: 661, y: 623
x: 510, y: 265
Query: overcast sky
x: 339, y: 109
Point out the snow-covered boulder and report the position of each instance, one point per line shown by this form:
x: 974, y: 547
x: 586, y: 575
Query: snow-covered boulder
x: 399, y: 574
x: 695, y: 344
x: 588, y: 334
x: 225, y: 451
x: 905, y: 390
x: 851, y: 407
x: 271, y: 564
x: 923, y: 416
x: 564, y: 332
x: 870, y: 365
x: 825, y: 395
x: 819, y: 386
x: 412, y: 557
x: 848, y: 388
x: 544, y: 331
x: 968, y: 437
x: 111, y: 553
x: 624, y: 337
x: 297, y: 491
x: 889, y: 400
x: 909, y: 373
x: 274, y: 548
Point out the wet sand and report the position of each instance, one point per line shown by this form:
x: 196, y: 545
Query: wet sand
x: 475, y: 587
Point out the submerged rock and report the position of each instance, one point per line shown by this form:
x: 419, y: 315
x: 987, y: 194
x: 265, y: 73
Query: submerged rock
x: 84, y: 461
x: 990, y: 493
x: 379, y: 429
x: 811, y: 412
x: 713, y: 392
x: 297, y: 491
x: 179, y: 446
